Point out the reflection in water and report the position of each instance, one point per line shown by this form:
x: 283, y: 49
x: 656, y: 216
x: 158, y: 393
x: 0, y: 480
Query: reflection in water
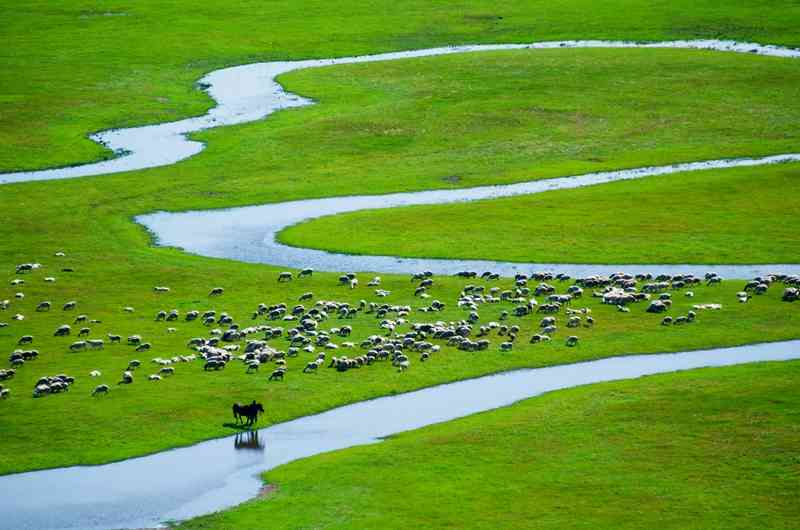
x: 247, y: 440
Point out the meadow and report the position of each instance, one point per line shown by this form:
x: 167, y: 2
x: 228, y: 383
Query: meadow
x: 624, y: 455
x: 444, y: 122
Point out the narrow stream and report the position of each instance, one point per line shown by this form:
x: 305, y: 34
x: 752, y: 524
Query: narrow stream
x: 214, y: 475
x: 249, y: 233
x: 250, y: 92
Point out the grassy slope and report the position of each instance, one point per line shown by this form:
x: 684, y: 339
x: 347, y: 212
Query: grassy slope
x: 84, y: 65
x: 133, y: 413
x: 701, y: 449
x: 708, y: 217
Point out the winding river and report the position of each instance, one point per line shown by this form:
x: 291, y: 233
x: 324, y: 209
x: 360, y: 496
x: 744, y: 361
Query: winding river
x: 214, y: 475
x: 251, y: 92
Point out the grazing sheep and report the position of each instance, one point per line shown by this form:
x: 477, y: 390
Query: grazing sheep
x: 62, y: 331
x: 539, y: 338
x: 285, y: 276
x: 80, y: 318
x: 134, y: 339
x: 95, y: 344
x: 216, y: 291
x: 84, y: 332
x: 78, y: 346
x: 160, y: 289
x: 134, y: 364
x: 49, y: 279
x: 4, y: 393
x: 43, y: 306
x: 19, y: 296
x: 790, y: 294
x: 306, y: 296
x: 128, y: 309
x: 167, y: 370
x: 114, y: 338
x: 305, y: 273
x: 312, y: 366
x: 506, y: 346
x: 214, y: 365
x: 145, y: 346
x: 72, y: 304
x: 154, y: 377
x: 25, y: 339
x: 95, y: 373
x: 100, y: 389
x: 277, y: 374
x: 572, y: 340
x: 127, y: 378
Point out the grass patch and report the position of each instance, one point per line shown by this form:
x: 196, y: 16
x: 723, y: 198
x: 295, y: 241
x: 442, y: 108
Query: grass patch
x: 718, y: 216
x: 713, y: 448
x: 86, y: 65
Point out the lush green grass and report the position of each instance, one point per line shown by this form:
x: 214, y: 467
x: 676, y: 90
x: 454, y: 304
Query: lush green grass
x: 84, y: 65
x: 69, y: 69
x: 707, y: 217
x: 714, y: 448
x: 193, y: 405
x: 373, y: 135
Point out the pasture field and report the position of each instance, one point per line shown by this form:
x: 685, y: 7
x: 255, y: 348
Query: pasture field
x: 84, y: 65
x: 588, y: 454
x: 193, y: 404
x: 713, y: 448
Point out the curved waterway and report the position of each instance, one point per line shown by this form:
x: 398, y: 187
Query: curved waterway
x: 214, y: 475
x: 250, y: 92
x: 250, y: 233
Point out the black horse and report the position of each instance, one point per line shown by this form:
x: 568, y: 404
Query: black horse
x: 250, y: 412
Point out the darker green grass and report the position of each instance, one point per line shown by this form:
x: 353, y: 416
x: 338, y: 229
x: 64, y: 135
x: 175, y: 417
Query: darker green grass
x: 730, y: 216
x: 84, y: 65
x: 713, y: 448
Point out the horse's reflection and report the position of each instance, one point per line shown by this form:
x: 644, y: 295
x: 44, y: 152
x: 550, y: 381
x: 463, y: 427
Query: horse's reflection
x: 247, y: 440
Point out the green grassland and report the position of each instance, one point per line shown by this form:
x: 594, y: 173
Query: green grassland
x: 74, y: 67
x: 701, y: 449
x: 85, y: 65
x: 193, y: 405
x: 703, y: 217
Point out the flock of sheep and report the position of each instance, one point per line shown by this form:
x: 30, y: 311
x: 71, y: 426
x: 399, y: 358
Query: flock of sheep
x: 288, y: 331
